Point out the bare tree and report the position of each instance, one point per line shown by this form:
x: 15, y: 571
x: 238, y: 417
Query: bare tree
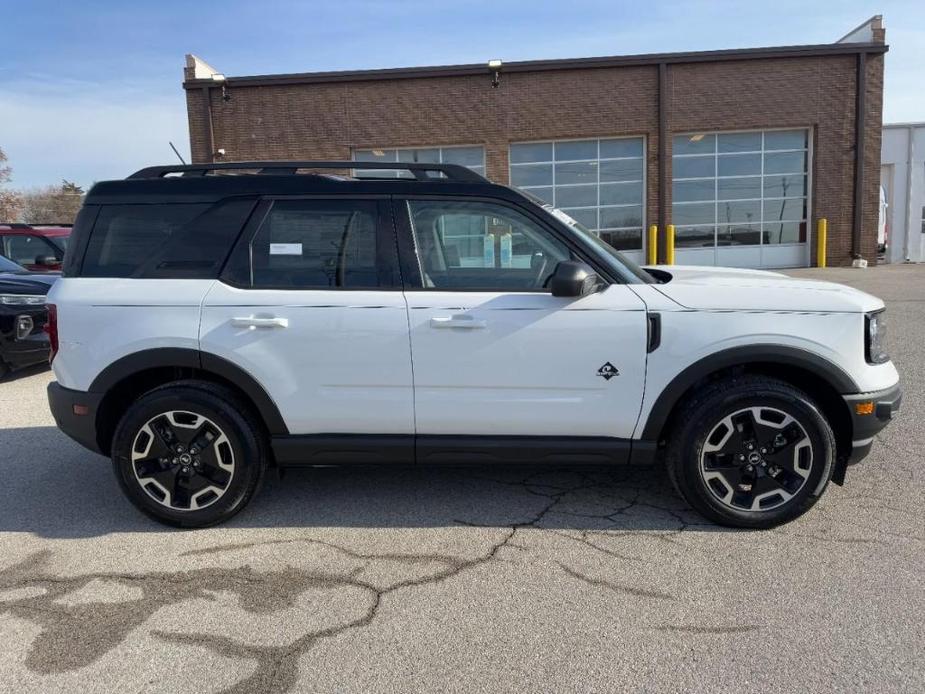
x: 10, y: 201
x: 52, y: 204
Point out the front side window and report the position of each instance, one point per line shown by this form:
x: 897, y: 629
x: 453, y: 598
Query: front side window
x: 469, y: 245
x: 27, y: 249
x: 599, y: 183
x: 734, y: 189
x: 311, y: 244
x: 471, y: 157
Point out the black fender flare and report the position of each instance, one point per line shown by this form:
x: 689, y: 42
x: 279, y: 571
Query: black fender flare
x: 784, y: 355
x: 161, y: 357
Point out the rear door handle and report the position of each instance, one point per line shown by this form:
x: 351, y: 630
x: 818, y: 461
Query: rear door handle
x: 260, y: 322
x: 457, y: 321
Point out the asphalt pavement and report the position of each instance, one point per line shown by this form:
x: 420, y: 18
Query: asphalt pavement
x: 472, y: 580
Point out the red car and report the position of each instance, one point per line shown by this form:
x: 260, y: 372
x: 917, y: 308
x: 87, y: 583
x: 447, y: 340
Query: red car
x: 37, y: 247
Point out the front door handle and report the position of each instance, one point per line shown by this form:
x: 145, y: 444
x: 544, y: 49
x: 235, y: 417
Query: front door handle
x: 458, y: 321
x: 260, y: 322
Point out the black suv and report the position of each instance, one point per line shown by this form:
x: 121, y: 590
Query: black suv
x: 23, y: 341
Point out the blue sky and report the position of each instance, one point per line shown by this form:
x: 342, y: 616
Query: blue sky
x: 91, y: 90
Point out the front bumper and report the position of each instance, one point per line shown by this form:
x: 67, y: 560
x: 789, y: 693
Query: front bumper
x: 870, y: 413
x: 80, y: 427
x: 22, y: 350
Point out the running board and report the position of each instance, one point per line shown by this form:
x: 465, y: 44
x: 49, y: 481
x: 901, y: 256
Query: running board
x: 401, y: 449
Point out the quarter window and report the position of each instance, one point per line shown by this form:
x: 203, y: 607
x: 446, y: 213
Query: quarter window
x: 482, y: 246
x: 596, y: 182
x: 127, y: 238
x: 471, y: 157
x: 311, y: 244
x: 733, y: 189
x: 169, y: 240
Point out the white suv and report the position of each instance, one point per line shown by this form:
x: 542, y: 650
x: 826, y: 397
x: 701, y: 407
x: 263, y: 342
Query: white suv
x: 208, y: 326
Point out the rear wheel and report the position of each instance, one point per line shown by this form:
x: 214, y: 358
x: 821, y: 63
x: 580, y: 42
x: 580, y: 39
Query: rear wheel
x: 187, y: 455
x: 751, y: 452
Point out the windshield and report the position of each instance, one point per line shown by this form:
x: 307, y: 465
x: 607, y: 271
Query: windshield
x: 615, y: 256
x: 7, y: 265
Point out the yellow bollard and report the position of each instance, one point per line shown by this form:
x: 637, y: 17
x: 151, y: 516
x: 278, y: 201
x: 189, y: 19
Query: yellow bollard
x: 822, y: 233
x: 652, y: 247
x: 669, y: 245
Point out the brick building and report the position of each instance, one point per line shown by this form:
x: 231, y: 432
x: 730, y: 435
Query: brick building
x: 742, y: 150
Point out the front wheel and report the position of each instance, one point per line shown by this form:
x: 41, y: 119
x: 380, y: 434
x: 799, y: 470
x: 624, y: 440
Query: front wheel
x: 751, y: 452
x: 187, y: 455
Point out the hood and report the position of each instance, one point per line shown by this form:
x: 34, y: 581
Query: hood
x: 26, y: 283
x: 734, y: 289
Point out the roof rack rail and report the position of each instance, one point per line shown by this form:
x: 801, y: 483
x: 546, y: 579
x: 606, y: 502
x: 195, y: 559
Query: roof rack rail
x: 30, y: 225
x: 422, y: 172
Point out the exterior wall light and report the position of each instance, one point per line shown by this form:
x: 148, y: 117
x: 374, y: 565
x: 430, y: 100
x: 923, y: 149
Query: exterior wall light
x: 495, y: 67
x: 220, y: 79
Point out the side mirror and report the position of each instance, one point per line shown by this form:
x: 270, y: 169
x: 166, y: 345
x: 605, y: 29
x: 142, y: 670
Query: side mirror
x: 574, y: 279
x: 46, y: 260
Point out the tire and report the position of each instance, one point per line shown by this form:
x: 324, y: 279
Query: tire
x: 189, y: 487
x: 779, y: 478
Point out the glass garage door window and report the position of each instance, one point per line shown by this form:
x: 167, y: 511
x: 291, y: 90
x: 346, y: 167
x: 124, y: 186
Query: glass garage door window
x: 599, y: 183
x: 744, y: 189
x: 471, y: 157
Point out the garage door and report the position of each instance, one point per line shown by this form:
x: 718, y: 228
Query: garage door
x: 741, y: 198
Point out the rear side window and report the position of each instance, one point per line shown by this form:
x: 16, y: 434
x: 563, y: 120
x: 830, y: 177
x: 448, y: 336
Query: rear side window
x: 171, y: 240
x: 316, y: 244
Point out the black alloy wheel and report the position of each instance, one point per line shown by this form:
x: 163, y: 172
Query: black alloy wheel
x: 750, y: 451
x: 190, y: 453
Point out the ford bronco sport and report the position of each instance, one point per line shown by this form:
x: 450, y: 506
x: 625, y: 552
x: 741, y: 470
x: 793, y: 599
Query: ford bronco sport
x: 210, y: 325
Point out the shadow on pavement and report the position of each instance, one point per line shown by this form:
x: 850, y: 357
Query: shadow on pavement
x: 54, y: 488
x: 24, y: 372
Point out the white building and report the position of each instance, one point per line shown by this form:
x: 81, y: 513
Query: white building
x: 902, y: 178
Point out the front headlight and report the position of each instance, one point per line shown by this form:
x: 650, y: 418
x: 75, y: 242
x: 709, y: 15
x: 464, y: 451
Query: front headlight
x: 22, y: 299
x: 875, y: 332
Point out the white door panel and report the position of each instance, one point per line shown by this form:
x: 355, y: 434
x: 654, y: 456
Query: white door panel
x: 332, y: 361
x: 490, y: 363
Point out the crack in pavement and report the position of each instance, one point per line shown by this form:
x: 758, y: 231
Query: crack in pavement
x: 616, y: 587
x: 106, y: 625
x: 583, y: 540
x: 277, y: 667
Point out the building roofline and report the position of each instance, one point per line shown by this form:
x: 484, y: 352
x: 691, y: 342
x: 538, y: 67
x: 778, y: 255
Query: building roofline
x: 874, y: 22
x: 905, y: 124
x: 546, y: 65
